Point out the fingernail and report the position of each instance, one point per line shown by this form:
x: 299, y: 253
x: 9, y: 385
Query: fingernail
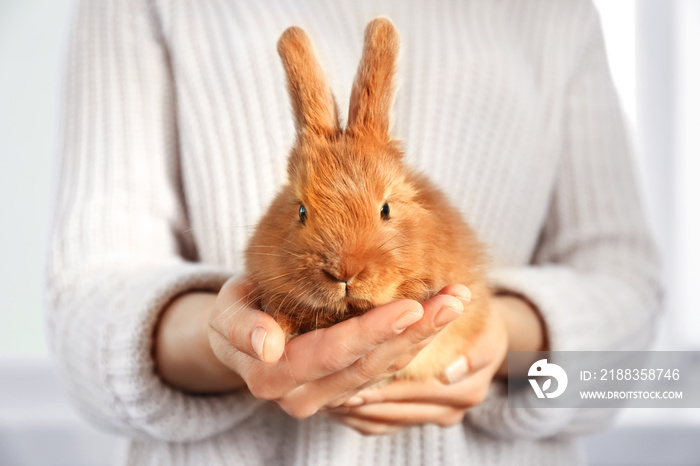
x: 257, y: 340
x: 354, y: 401
x: 406, y: 319
x: 445, y: 315
x: 457, y: 370
x: 465, y: 295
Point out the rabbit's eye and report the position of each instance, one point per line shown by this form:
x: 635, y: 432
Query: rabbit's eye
x: 302, y: 214
x: 385, y: 211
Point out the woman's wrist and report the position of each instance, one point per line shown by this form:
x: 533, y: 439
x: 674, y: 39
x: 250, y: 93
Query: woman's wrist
x: 524, y: 325
x: 184, y: 358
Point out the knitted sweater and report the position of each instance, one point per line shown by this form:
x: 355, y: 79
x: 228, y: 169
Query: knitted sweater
x: 176, y: 129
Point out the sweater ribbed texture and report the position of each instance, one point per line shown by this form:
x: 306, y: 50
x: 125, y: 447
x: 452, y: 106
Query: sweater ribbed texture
x: 177, y: 127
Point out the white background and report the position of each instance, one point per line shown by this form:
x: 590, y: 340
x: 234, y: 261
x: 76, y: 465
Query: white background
x: 31, y: 43
x: 654, y: 49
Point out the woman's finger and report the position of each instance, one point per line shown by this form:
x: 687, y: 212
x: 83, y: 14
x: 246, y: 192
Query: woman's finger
x: 466, y: 393
x: 379, y: 363
x: 314, y: 355
x: 375, y: 365
x: 404, y: 414
x: 367, y: 427
x: 244, y: 327
x: 458, y: 291
x: 320, y: 353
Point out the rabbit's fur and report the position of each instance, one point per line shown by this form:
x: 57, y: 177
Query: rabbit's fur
x: 343, y: 255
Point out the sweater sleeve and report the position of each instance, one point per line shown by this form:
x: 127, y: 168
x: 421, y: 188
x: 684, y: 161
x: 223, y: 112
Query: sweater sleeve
x: 119, y: 249
x: 595, y: 275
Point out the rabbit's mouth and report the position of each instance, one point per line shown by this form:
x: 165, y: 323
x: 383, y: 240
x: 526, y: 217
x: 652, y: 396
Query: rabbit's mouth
x: 356, y: 305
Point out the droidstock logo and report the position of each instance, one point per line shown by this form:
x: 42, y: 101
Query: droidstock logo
x: 542, y: 368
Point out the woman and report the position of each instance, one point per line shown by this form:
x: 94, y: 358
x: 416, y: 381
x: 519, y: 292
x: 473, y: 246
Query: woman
x: 177, y: 127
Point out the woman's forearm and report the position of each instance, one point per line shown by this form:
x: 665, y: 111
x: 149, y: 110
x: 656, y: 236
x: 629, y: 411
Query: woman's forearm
x: 184, y: 358
x: 524, y: 325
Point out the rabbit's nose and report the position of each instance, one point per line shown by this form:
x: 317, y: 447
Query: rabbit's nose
x: 345, y: 272
x: 334, y: 276
x: 345, y: 268
x: 342, y: 277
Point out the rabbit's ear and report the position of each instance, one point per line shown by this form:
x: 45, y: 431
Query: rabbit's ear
x: 373, y: 90
x: 312, y: 100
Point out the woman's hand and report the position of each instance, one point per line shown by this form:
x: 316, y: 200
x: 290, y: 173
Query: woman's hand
x: 319, y: 369
x: 513, y: 325
x: 405, y: 403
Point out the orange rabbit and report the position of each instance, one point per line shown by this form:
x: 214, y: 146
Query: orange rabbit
x: 354, y: 227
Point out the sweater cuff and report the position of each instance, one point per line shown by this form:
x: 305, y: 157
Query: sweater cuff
x: 495, y: 417
x: 121, y: 371
x: 542, y: 287
x: 576, y: 309
x: 566, y: 301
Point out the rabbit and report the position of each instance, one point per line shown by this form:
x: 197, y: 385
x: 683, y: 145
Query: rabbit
x: 354, y: 228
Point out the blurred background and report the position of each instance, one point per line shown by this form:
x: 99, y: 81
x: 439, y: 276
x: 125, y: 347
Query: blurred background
x: 654, y: 52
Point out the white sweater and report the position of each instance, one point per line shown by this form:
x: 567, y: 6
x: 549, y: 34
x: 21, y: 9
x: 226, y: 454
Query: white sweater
x: 177, y: 126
